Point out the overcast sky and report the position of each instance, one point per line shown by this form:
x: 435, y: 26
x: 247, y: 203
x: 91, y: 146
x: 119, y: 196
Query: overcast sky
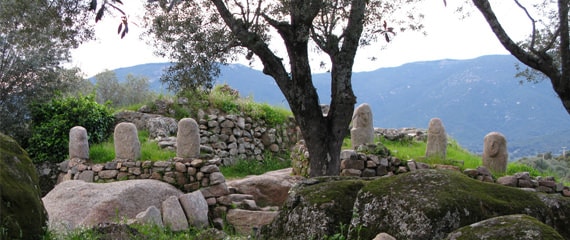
x: 448, y: 37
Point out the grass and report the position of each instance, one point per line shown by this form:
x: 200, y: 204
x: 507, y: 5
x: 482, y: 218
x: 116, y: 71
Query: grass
x: 243, y: 168
x: 145, y: 231
x: 105, y: 152
x: 456, y: 155
x: 102, y: 152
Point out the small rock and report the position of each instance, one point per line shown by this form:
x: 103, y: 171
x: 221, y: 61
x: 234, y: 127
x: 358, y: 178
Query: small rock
x: 383, y: 236
x: 150, y: 216
x: 566, y: 192
x: 510, y: 181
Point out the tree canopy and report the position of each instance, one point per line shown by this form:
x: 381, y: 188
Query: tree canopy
x: 35, y: 39
x: 284, y: 35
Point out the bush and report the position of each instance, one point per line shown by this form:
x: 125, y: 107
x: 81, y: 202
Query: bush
x: 52, y: 121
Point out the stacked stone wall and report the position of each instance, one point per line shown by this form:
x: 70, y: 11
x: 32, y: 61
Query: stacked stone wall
x: 186, y: 174
x: 229, y: 137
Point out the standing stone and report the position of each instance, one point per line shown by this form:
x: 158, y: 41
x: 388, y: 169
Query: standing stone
x: 127, y: 145
x: 362, y: 131
x: 495, y: 155
x: 78, y: 143
x: 188, y: 139
x: 436, y: 140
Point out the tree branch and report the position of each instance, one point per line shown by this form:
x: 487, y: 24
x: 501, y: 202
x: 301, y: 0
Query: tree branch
x: 272, y: 65
x: 541, y: 61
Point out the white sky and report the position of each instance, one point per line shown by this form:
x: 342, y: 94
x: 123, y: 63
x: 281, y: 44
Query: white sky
x: 448, y: 37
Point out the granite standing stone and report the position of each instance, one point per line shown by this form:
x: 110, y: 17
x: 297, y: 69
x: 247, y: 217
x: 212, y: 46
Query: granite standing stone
x: 127, y: 145
x: 436, y: 140
x: 188, y: 139
x: 495, y: 155
x: 78, y: 143
x: 362, y: 131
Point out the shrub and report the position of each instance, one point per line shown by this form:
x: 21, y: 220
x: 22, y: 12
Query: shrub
x: 52, y: 121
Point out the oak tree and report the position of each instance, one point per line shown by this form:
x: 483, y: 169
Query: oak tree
x: 201, y: 35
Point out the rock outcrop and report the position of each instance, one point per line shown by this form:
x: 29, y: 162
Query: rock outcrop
x: 421, y: 204
x: 510, y: 227
x: 73, y: 204
x: 22, y: 214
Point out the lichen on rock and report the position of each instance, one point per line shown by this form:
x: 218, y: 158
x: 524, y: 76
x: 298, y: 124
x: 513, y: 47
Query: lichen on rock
x: 510, y: 227
x: 423, y: 204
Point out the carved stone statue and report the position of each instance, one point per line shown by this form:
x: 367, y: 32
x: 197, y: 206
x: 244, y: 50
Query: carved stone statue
x: 437, y: 139
x: 362, y: 131
x: 495, y: 154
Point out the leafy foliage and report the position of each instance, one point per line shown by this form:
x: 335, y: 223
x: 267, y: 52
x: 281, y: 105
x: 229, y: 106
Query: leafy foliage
x: 35, y: 38
x: 547, y: 165
x: 123, y: 28
x: 53, y: 120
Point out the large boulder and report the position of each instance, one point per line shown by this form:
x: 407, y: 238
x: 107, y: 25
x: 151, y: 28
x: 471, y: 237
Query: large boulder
x: 268, y: 189
x: 511, y: 227
x: 75, y: 203
x: 423, y: 204
x: 315, y: 208
x: 22, y: 214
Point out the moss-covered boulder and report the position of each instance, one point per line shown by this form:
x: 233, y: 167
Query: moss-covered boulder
x: 22, y: 213
x: 511, y: 227
x: 424, y: 204
x: 316, y: 208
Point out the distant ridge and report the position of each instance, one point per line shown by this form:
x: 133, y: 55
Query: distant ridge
x: 472, y: 97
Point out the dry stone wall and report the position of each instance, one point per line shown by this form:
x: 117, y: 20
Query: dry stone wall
x: 229, y: 137
x: 186, y: 174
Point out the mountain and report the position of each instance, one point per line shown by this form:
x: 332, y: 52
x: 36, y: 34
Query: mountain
x: 472, y: 97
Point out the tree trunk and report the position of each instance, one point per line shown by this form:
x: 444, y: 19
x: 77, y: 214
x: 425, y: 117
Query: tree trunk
x: 323, y: 135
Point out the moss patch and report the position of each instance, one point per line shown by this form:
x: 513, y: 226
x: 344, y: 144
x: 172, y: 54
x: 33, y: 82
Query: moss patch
x: 428, y: 204
x: 22, y: 214
x: 316, y: 209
